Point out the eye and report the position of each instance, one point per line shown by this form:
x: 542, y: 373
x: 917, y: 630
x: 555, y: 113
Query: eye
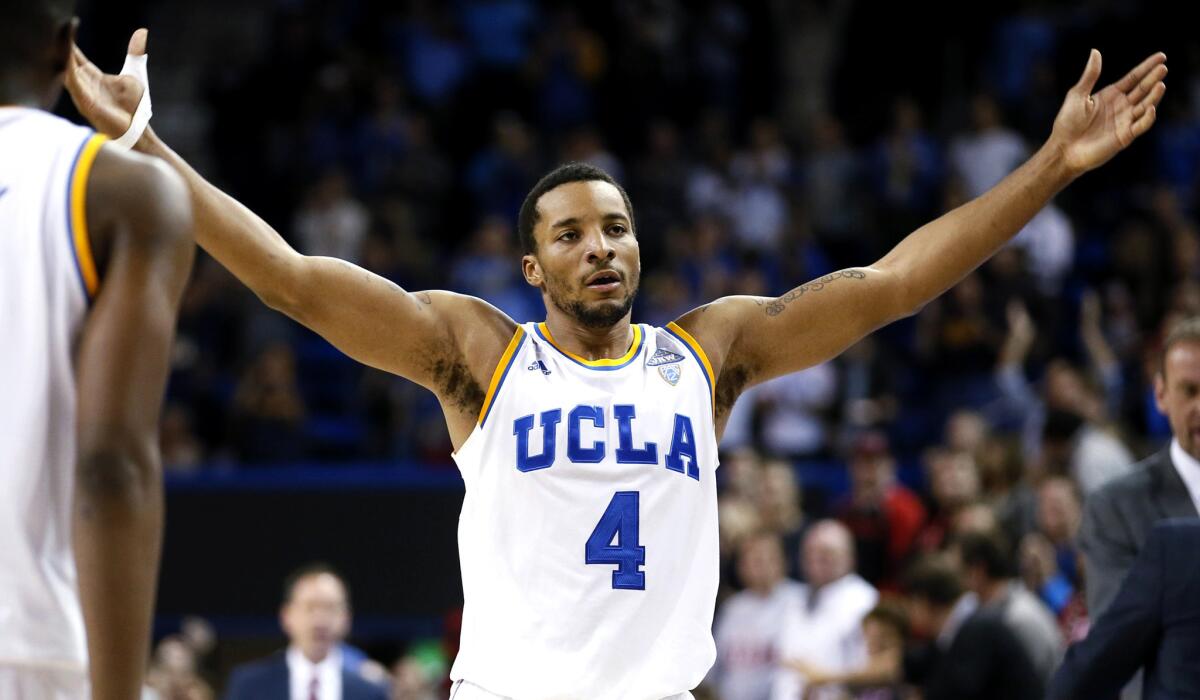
x: 568, y: 236
x: 617, y: 229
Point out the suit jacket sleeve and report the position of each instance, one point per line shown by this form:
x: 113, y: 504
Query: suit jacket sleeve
x: 1125, y: 636
x: 238, y: 687
x: 1108, y: 551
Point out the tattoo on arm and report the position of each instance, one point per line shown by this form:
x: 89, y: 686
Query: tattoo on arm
x: 424, y: 298
x: 776, y: 306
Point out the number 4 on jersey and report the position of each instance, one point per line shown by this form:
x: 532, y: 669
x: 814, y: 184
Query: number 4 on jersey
x: 619, y: 523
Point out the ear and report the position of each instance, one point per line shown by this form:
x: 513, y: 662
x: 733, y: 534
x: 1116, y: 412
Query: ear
x: 532, y: 269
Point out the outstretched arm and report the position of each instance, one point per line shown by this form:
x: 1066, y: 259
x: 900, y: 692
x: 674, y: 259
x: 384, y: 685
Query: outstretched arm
x: 751, y: 339
x: 415, y: 335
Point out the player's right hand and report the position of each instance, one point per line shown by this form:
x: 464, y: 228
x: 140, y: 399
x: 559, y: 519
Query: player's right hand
x: 106, y: 100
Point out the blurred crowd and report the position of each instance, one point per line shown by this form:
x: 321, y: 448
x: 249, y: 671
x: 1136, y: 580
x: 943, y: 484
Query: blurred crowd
x: 938, y: 466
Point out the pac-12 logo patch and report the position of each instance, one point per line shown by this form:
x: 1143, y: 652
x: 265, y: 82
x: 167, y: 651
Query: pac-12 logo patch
x: 663, y: 357
x: 670, y: 373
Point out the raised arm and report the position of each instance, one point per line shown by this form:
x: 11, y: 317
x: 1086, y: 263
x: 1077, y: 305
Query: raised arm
x: 751, y: 339
x: 140, y: 227
x: 417, y: 335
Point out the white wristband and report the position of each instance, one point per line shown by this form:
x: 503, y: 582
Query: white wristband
x: 136, y: 67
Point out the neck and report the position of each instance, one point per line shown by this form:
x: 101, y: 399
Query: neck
x: 992, y: 590
x: 590, y: 343
x: 315, y: 656
x: 22, y: 91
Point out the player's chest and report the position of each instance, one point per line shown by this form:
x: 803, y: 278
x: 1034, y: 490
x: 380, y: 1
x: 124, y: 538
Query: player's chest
x: 557, y: 420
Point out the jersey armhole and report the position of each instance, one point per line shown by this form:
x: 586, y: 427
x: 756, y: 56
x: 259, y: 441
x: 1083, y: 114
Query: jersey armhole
x: 77, y: 183
x: 701, y: 359
x: 500, y: 373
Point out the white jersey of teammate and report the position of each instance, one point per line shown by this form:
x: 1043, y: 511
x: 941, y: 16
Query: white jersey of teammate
x: 47, y: 276
x: 588, y: 537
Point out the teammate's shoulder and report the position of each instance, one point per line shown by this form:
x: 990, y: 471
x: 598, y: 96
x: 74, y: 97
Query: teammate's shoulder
x: 140, y: 189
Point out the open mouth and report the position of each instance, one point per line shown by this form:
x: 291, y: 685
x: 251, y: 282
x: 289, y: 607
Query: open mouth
x: 604, y: 280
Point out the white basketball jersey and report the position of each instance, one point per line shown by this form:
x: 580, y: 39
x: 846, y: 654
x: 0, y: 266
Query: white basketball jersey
x: 588, y: 536
x: 46, y: 278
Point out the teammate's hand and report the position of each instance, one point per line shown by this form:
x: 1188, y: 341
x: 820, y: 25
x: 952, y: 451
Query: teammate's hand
x: 1092, y: 128
x: 107, y: 101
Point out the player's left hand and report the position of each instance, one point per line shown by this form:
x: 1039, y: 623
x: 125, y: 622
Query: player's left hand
x: 1091, y: 127
x: 107, y: 101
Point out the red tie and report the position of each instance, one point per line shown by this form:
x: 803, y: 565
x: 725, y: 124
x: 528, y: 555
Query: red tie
x: 314, y: 688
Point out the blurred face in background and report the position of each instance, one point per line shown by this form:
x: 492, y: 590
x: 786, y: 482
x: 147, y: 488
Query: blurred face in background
x: 828, y: 553
x: 760, y: 564
x: 954, y: 478
x: 1058, y: 511
x: 1177, y: 393
x: 317, y: 617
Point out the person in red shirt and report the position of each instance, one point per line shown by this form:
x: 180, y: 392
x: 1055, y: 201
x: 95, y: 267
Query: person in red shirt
x: 883, y: 515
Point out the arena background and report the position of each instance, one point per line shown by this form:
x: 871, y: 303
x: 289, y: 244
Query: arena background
x: 762, y: 143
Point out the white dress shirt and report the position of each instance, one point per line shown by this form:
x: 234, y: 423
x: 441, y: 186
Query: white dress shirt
x: 1189, y: 470
x: 824, y: 628
x: 301, y: 672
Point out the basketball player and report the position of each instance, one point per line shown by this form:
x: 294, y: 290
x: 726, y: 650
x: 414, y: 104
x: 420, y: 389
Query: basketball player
x: 588, y: 444
x: 95, y: 247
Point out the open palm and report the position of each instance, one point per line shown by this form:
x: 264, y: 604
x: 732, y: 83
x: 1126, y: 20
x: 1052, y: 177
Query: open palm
x: 107, y: 101
x: 1092, y: 128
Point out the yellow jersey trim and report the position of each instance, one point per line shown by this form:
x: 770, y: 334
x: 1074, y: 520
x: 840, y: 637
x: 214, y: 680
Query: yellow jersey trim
x: 78, y: 213
x: 608, y: 363
x: 691, y: 342
x: 500, y: 372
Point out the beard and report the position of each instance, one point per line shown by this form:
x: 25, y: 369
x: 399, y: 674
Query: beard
x: 599, y: 314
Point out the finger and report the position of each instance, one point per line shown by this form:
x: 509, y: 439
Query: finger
x: 86, y: 66
x: 1143, y: 124
x: 1135, y: 76
x: 1091, y: 72
x: 137, y: 42
x: 1148, y: 82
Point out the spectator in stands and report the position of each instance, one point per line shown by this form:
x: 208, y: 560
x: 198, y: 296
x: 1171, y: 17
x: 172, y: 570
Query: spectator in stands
x: 332, y: 222
x: 749, y: 624
x: 883, y: 515
x: 173, y: 673
x: 269, y: 412
x: 823, y: 628
x: 973, y: 653
x: 885, y: 628
x: 953, y: 479
x: 778, y: 503
x: 989, y: 574
x: 1118, y: 517
x: 316, y: 619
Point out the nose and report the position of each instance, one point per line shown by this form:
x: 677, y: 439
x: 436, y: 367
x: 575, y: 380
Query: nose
x: 600, y: 248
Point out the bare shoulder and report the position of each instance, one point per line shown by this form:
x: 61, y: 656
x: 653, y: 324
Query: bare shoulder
x: 139, y: 196
x: 716, y: 327
x: 477, y: 334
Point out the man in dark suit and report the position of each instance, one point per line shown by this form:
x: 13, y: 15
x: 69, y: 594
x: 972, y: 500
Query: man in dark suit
x: 974, y: 653
x: 316, y: 618
x: 1153, y: 622
x: 1118, y: 517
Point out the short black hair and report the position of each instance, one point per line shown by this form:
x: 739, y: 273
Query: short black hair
x: 26, y: 25
x: 989, y: 550
x: 315, y: 568
x: 933, y: 581
x: 563, y: 174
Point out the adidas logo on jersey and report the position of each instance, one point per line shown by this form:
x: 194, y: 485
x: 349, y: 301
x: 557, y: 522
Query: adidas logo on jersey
x: 538, y: 365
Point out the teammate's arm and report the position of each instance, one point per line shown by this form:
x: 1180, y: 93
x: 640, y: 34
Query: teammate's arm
x: 412, y: 334
x: 752, y: 339
x: 139, y: 221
